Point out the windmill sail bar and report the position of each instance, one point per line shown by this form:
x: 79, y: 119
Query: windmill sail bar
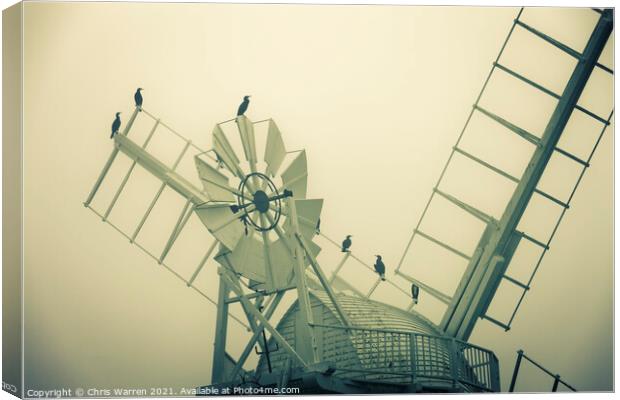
x: 486, y: 269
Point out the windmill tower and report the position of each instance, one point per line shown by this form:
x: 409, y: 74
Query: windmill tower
x: 335, y: 338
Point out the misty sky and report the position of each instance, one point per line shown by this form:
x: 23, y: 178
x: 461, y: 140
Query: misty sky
x: 376, y: 95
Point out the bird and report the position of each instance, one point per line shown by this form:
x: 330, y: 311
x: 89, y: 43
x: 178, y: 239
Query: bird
x: 380, y: 267
x: 138, y: 98
x: 243, y: 107
x: 116, y: 125
x: 415, y: 293
x: 346, y: 244
x: 220, y: 162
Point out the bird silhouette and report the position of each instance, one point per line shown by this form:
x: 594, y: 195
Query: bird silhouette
x: 116, y: 125
x: 380, y: 267
x: 243, y: 107
x: 138, y: 98
x: 346, y: 244
x: 415, y: 293
x: 220, y: 162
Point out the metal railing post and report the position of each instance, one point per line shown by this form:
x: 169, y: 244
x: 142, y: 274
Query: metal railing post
x: 413, y: 356
x: 555, y: 383
x: 516, y: 371
x: 453, y: 363
x: 495, y: 380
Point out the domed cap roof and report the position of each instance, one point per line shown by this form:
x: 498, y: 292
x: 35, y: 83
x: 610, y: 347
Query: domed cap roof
x: 372, y: 314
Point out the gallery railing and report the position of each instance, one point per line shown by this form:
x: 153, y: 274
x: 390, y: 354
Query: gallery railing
x: 399, y: 357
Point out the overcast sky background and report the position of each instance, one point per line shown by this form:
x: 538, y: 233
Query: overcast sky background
x: 377, y: 96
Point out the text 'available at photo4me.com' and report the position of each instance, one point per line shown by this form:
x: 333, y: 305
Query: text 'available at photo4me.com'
x: 159, y: 391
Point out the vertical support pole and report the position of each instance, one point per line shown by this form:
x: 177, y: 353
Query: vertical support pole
x: 516, y: 371
x: 248, y: 348
x: 307, y: 339
x: 236, y: 287
x: 555, y: 383
x: 221, y: 325
x: 249, y: 309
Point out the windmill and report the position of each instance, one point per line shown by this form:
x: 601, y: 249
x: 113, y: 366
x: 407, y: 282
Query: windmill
x: 335, y: 338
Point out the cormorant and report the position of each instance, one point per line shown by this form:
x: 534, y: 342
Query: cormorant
x: 138, y: 98
x: 415, y: 292
x: 346, y: 244
x: 243, y: 107
x: 380, y: 267
x: 116, y: 125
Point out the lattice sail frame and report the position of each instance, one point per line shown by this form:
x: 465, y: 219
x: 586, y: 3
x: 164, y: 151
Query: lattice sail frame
x: 488, y: 262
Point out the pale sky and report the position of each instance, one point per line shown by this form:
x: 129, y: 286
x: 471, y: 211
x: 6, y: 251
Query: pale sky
x: 377, y: 96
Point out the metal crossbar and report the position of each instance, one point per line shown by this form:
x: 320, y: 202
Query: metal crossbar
x: 547, y: 91
x: 484, y: 217
x: 442, y: 244
x: 535, y: 140
x: 565, y: 48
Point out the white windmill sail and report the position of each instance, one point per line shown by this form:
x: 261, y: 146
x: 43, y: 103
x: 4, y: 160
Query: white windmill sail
x: 275, y: 152
x: 295, y: 176
x: 214, y: 182
x: 503, y: 234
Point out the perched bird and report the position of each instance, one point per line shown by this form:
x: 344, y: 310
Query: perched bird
x: 380, y: 267
x: 220, y: 162
x: 138, y: 98
x: 116, y: 125
x: 415, y: 292
x: 243, y: 107
x: 346, y: 244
